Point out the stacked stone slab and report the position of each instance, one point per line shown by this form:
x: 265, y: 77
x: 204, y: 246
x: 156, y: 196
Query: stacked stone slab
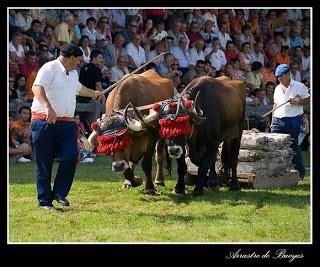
x: 264, y: 160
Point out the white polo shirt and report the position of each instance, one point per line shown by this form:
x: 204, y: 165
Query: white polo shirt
x: 295, y: 90
x: 61, y: 89
x: 138, y: 54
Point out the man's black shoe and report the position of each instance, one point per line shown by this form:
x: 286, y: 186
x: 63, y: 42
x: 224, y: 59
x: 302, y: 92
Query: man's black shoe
x: 47, y: 207
x: 62, y: 201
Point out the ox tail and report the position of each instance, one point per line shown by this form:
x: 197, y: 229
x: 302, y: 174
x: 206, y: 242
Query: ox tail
x: 168, y: 164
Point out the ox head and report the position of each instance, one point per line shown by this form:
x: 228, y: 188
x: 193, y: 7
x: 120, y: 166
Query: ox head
x: 114, y: 134
x: 175, y: 119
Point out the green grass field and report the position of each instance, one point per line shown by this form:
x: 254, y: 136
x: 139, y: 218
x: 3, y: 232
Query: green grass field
x: 101, y: 211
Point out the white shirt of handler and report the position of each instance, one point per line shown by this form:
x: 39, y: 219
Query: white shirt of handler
x: 295, y: 90
x: 61, y: 89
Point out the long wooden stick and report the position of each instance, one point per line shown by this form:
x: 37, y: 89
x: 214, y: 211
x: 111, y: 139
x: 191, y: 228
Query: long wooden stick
x: 135, y: 71
x: 275, y: 108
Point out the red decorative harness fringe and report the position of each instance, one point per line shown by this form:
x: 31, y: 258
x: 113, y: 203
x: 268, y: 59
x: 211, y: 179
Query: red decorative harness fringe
x: 112, y: 143
x: 174, y: 128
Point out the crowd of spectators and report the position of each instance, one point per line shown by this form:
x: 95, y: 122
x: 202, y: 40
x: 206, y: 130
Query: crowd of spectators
x: 243, y: 44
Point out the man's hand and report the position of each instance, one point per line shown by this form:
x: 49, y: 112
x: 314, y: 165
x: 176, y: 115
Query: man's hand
x: 97, y: 95
x: 294, y: 101
x: 51, y: 115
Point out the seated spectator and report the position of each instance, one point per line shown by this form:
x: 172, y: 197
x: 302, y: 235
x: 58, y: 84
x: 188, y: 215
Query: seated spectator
x: 270, y: 86
x: 30, y: 65
x: 136, y: 54
x: 183, y: 31
x: 224, y: 18
x: 223, y: 36
x: 84, y: 45
x: 120, y: 70
x: 175, y: 33
x: 296, y: 58
x: 181, y: 53
x: 181, y: 87
x: 305, y: 36
x: 245, y: 57
x: 246, y: 36
x: 237, y: 21
x: 64, y: 32
x: 295, y: 38
x: 215, y: 55
x: 159, y: 48
x: 16, y: 51
x: 160, y: 33
x: 194, y: 34
x: 262, y: 22
x: 12, y: 92
x: 23, y: 20
x: 283, y: 57
x: 258, y: 54
x: 90, y: 31
x: 196, y: 53
x: 306, y: 63
x: 51, y: 41
x: 238, y: 74
x: 255, y: 116
x: 209, y: 70
x: 268, y: 73
x: 51, y: 18
x: 113, y: 51
x: 254, y: 77
x: 35, y: 31
x: 130, y: 31
x: 165, y: 68
x: 169, y: 43
x: 229, y: 71
x: 147, y: 34
x: 294, y: 72
x: 106, y: 74
x: 20, y: 129
x: 194, y: 72
x: 211, y: 14
x: 20, y: 87
x: 230, y: 52
x: 254, y: 24
x: 103, y: 31
x: 175, y: 68
x: 196, y: 15
x: 117, y: 18
x: 273, y: 45
x: 208, y: 34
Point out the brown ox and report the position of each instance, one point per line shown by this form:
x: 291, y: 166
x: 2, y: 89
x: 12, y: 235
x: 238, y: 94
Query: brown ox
x: 139, y: 89
x: 221, y: 102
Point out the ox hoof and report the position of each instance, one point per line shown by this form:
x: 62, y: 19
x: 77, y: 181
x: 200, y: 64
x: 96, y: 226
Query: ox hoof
x: 137, y: 181
x: 159, y: 184
x: 214, y: 188
x: 127, y: 185
x: 177, y: 192
x: 197, y: 193
x: 150, y: 192
x: 235, y: 187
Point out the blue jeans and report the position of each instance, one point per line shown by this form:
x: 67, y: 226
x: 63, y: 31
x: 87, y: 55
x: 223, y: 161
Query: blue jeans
x: 291, y: 125
x: 50, y: 141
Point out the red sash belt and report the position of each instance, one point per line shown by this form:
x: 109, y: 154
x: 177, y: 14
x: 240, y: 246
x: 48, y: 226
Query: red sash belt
x: 39, y: 116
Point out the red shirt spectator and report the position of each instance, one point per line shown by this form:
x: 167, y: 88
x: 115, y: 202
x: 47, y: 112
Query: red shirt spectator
x: 31, y: 64
x: 230, y: 53
x: 194, y: 34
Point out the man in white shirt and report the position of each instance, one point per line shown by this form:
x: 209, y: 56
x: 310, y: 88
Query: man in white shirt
x: 223, y: 36
x: 215, y: 55
x: 119, y: 70
x: 54, y: 131
x: 196, y: 53
x: 181, y: 53
x: 136, y: 54
x: 287, y: 118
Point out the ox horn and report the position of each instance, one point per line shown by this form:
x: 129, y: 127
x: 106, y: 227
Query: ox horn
x: 132, y: 123
x: 196, y: 105
x: 148, y: 119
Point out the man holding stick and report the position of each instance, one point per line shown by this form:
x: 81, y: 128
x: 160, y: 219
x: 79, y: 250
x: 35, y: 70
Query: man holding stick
x: 289, y: 98
x: 54, y: 131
